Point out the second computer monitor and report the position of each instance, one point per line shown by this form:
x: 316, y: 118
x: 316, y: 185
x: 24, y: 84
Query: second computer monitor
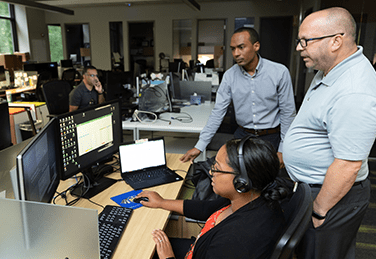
x: 89, y: 136
x: 37, y: 175
x: 188, y: 88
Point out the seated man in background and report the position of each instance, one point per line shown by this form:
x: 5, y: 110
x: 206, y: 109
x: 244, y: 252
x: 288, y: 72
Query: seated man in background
x: 88, y: 92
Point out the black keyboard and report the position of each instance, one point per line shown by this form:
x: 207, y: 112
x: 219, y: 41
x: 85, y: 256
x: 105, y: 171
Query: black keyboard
x: 152, y: 174
x: 112, y: 222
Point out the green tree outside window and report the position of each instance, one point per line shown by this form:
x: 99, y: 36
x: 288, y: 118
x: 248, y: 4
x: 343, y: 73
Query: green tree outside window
x: 56, y: 43
x: 6, y: 39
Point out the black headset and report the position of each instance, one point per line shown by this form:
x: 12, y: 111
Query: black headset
x: 241, y: 182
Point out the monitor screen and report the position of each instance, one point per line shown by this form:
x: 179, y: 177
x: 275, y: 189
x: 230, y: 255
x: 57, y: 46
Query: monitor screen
x: 116, y: 86
x: 87, y: 138
x: 66, y: 63
x: 50, y: 67
x: 37, y: 166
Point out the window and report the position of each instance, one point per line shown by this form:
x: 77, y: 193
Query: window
x: 56, y: 43
x: 8, y: 35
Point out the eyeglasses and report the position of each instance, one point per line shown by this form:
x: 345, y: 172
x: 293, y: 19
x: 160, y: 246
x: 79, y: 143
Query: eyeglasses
x: 214, y: 170
x: 303, y: 42
x: 92, y: 75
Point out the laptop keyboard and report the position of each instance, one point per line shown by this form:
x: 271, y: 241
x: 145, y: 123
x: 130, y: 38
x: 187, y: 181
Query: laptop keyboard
x: 147, y: 175
x: 112, y: 222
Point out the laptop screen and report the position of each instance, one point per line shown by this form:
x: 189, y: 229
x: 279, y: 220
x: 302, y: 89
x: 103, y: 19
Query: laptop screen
x: 141, y: 155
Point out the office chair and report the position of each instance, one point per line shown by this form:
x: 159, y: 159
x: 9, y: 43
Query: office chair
x: 56, y: 94
x: 70, y: 75
x: 298, y: 213
x: 5, y: 134
x: 43, y: 78
x: 209, y: 63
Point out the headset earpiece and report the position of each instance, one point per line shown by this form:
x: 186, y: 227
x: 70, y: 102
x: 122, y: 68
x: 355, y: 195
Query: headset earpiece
x: 241, y: 182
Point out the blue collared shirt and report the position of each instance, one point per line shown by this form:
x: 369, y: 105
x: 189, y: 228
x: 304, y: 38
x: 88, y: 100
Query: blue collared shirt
x: 336, y: 120
x: 261, y: 101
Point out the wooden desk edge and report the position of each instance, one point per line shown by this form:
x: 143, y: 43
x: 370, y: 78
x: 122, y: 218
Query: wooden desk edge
x: 133, y: 244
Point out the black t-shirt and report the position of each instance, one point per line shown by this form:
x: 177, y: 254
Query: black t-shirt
x: 82, y: 97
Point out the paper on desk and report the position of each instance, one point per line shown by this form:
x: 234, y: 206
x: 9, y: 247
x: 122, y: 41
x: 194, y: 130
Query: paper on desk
x: 126, y: 199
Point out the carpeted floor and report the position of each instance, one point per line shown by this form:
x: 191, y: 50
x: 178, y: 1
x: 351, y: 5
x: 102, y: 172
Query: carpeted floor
x: 366, y: 238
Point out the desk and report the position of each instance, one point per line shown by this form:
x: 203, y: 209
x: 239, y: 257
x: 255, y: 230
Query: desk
x: 136, y: 241
x: 199, y: 113
x: 20, y: 90
x: 18, y: 116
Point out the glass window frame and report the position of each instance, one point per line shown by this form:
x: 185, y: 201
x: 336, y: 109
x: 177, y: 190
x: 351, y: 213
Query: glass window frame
x: 12, y: 20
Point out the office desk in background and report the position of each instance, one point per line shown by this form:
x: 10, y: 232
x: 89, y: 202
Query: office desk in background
x: 136, y: 241
x: 199, y: 113
x: 19, y: 116
x: 19, y: 90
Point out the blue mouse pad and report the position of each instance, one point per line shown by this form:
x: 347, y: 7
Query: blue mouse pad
x: 126, y: 199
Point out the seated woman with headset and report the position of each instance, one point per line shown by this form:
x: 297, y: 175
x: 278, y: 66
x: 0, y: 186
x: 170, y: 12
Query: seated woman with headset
x: 246, y: 221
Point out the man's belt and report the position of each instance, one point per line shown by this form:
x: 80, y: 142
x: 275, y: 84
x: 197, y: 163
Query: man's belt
x: 312, y: 185
x: 262, y: 132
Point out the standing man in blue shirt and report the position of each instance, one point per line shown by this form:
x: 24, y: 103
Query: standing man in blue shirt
x: 329, y: 141
x: 88, y: 92
x: 261, y: 92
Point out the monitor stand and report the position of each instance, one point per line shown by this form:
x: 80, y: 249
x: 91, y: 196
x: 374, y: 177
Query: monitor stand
x: 91, y: 186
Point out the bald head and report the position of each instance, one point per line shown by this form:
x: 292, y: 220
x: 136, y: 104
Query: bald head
x: 334, y: 20
x: 330, y: 38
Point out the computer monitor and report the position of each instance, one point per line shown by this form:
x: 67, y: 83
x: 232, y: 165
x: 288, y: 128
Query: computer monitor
x: 201, y: 88
x: 116, y: 86
x: 88, y: 138
x: 66, y: 63
x: 174, y: 87
x: 50, y: 67
x: 37, y: 176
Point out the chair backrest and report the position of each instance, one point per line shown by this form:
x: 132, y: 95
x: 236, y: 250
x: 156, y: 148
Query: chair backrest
x: 5, y: 135
x: 56, y: 94
x: 69, y: 74
x: 298, y: 214
x: 43, y: 78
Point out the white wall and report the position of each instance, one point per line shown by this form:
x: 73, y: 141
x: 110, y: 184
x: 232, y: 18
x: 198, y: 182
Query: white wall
x: 32, y: 33
x: 163, y: 15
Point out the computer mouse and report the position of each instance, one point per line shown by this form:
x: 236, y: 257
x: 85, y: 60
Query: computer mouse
x: 137, y: 200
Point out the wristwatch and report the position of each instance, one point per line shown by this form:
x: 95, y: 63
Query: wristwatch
x: 101, y: 92
x: 318, y: 216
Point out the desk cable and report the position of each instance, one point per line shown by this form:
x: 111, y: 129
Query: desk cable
x: 136, y: 116
x: 183, y: 119
x: 79, y: 179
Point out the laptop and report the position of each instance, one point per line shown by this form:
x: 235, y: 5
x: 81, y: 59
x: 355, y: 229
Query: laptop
x: 143, y: 164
